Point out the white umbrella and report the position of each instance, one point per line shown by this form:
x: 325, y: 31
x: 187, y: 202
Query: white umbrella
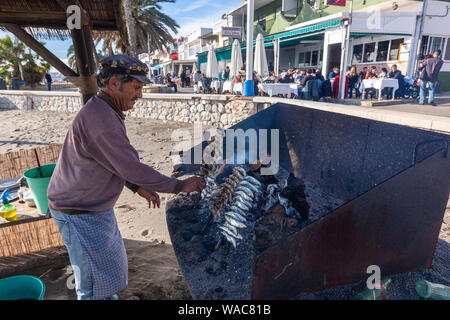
x: 260, y: 64
x: 212, y: 69
x: 180, y: 71
x: 236, y: 59
x: 194, y: 67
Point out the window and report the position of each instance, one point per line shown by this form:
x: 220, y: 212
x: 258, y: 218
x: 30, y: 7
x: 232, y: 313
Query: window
x: 314, y: 58
x: 357, y: 53
x: 262, y: 22
x: 382, y: 52
x: 369, y: 52
x: 435, y: 44
x: 395, y: 46
x: 307, y: 58
x: 301, y: 59
x: 430, y: 44
x: 447, y: 51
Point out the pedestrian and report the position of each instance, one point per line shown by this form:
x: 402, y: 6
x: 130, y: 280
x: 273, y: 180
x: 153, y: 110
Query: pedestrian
x: 48, y: 78
x: 183, y: 78
x: 195, y: 79
x: 226, y: 73
x: 429, y: 76
x: 96, y: 162
x: 352, y: 82
x: 188, y: 77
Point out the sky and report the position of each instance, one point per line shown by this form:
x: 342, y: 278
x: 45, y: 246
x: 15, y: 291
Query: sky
x: 189, y: 14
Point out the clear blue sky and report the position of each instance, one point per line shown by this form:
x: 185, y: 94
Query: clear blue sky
x: 189, y: 14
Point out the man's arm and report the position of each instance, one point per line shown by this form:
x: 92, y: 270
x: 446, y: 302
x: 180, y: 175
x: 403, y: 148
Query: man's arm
x: 113, y: 151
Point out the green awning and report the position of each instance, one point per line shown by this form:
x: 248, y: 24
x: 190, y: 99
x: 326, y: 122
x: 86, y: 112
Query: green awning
x: 368, y: 34
x: 225, y: 52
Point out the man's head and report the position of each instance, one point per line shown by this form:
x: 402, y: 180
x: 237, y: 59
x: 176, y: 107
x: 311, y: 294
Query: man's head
x: 394, y: 68
x: 365, y: 69
x: 122, y: 78
x: 336, y: 69
x: 302, y: 72
x: 308, y: 72
x: 437, y: 53
x: 373, y: 69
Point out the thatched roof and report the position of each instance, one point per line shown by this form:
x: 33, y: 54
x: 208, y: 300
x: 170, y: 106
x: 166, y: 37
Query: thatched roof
x: 47, y: 18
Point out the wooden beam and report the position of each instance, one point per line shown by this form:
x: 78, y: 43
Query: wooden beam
x: 40, y: 49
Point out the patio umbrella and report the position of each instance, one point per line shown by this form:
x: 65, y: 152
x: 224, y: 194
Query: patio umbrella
x: 236, y: 59
x: 180, y: 71
x: 212, y: 69
x: 194, y: 67
x: 260, y: 64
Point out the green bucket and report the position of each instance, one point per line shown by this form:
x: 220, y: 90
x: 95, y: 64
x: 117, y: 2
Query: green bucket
x: 38, y: 185
x: 22, y: 288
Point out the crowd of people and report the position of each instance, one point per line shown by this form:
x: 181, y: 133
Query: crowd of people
x: 428, y: 72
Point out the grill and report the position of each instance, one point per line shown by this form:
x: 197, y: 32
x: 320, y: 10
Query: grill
x: 374, y: 193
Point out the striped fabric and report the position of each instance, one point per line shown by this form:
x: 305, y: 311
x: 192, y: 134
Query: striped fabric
x: 102, y: 242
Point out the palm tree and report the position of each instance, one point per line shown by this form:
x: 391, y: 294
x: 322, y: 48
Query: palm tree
x: 131, y: 27
x: 11, y: 54
x: 148, y: 19
x: 72, y: 60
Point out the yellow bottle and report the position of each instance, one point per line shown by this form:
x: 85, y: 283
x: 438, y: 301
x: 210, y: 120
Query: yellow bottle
x: 8, y: 211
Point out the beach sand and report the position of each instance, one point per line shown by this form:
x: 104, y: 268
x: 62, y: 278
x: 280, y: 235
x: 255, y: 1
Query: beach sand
x: 153, y: 267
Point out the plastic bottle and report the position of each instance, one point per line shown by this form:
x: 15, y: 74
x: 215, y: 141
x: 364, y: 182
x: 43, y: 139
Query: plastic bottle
x: 7, y: 210
x: 435, y: 291
x: 374, y: 294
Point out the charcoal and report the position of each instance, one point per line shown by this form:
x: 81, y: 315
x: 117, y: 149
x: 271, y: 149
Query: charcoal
x: 295, y: 193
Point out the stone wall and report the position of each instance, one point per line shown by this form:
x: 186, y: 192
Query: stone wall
x: 215, y: 110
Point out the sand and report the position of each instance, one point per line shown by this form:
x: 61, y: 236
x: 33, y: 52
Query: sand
x: 153, y: 269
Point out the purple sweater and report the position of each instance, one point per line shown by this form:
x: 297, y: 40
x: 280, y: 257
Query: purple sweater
x: 96, y: 162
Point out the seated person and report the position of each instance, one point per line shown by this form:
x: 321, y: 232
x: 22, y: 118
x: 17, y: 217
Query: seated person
x: 362, y: 73
x: 333, y: 73
x: 372, y: 74
x: 383, y: 74
x: 396, y: 74
x: 309, y: 76
x: 300, y: 76
x: 319, y: 75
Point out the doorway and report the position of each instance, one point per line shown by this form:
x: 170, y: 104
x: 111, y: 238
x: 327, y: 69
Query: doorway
x: 334, y: 57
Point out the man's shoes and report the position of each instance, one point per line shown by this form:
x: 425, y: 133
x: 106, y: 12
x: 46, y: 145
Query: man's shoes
x: 433, y: 104
x: 421, y: 103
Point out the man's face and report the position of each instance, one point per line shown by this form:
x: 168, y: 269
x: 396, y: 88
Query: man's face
x: 128, y: 94
x: 394, y: 68
x: 336, y: 70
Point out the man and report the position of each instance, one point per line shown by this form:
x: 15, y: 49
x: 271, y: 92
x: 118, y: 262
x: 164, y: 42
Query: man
x: 333, y: 74
x: 270, y: 67
x: 300, y: 76
x: 302, y: 90
x: 362, y: 74
x: 226, y: 73
x: 96, y: 162
x: 396, y: 74
x: 188, y: 78
x: 429, y: 76
x: 171, y: 82
x: 48, y: 78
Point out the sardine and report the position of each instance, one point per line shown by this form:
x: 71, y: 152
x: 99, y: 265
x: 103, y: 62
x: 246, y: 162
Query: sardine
x: 236, y: 216
x: 248, y: 204
x: 250, y: 186
x: 238, y: 175
x: 246, y: 190
x: 253, y: 180
x: 229, y: 238
x: 240, y: 170
x: 235, y: 223
x: 242, y: 206
x: 244, y: 195
x: 234, y: 178
x: 231, y: 230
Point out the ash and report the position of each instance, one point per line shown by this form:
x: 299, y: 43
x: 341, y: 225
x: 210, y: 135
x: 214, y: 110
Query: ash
x: 212, y: 267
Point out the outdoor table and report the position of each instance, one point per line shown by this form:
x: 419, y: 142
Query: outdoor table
x: 378, y: 84
x: 279, y: 88
x: 237, y: 87
x: 227, y: 86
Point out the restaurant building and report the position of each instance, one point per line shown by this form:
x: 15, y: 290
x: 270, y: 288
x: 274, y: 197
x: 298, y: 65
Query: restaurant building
x: 308, y: 33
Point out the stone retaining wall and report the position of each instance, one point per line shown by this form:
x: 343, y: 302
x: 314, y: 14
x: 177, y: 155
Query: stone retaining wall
x: 216, y: 110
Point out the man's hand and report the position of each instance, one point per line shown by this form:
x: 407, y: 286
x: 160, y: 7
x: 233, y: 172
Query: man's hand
x: 150, y: 196
x: 193, y: 184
